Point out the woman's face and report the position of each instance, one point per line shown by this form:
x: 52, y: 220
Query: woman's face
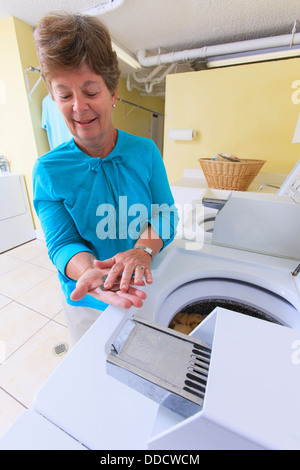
x: 86, y: 105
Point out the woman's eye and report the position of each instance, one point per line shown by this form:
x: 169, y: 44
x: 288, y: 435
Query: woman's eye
x: 92, y: 94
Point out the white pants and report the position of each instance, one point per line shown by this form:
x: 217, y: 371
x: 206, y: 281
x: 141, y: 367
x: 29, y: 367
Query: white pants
x: 78, y: 319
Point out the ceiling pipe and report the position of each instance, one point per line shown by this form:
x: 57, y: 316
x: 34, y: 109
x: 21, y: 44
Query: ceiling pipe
x: 155, y: 81
x: 206, y: 52
x: 148, y: 77
x: 144, y: 88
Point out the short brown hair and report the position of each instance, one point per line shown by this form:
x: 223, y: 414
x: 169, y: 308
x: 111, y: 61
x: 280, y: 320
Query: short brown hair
x: 67, y: 41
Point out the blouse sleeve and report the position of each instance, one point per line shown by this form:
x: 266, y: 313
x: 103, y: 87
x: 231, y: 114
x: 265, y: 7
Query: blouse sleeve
x: 62, y: 238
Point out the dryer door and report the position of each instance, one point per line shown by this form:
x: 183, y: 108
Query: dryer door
x: 11, y: 197
x: 16, y: 224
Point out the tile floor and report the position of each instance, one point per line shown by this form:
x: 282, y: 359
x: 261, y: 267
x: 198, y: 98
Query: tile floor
x: 31, y: 325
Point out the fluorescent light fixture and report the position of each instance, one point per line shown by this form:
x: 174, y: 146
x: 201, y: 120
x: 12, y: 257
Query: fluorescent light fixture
x: 125, y: 56
x: 103, y: 6
x: 254, y: 56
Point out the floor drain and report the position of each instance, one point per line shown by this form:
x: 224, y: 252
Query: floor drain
x: 60, y: 349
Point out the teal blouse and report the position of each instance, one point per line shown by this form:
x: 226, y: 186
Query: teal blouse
x: 101, y: 205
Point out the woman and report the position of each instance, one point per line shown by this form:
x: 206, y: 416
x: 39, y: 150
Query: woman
x: 102, y: 198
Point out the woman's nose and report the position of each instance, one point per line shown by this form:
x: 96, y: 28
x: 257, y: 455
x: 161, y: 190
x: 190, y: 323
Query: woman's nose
x: 79, y: 104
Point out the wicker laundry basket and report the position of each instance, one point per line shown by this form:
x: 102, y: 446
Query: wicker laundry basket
x: 236, y: 176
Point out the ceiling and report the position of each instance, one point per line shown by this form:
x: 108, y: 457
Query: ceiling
x: 173, y: 25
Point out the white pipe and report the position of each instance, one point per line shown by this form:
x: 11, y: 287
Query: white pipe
x: 32, y: 69
x: 149, y: 77
x: 214, y: 51
x: 142, y: 88
x: 155, y: 81
x: 128, y: 84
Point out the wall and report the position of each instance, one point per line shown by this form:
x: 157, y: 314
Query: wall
x: 250, y: 111
x: 21, y: 139
x: 28, y: 56
x: 131, y: 118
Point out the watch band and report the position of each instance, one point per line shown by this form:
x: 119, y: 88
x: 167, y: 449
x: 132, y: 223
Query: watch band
x: 146, y: 249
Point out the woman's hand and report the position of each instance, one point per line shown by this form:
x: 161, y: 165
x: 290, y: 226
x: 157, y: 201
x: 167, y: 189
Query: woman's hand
x: 92, y: 283
x: 132, y: 266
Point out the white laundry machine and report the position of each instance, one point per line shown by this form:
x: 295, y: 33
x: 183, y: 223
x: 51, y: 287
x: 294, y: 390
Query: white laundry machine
x: 225, y: 387
x: 249, y: 393
x: 16, y: 223
x: 199, y: 204
x: 117, y: 388
x: 33, y: 432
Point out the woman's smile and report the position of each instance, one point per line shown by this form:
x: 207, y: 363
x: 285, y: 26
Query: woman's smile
x: 85, y: 123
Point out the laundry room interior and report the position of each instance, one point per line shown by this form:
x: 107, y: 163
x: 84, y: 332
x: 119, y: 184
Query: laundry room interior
x: 216, y: 90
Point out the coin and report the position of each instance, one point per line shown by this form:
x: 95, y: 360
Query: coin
x: 114, y: 288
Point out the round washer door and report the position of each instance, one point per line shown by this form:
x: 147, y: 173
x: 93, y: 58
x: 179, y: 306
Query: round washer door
x: 231, y: 294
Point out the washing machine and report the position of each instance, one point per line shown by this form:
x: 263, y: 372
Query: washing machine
x: 218, y: 386
x: 233, y: 382
x: 16, y: 222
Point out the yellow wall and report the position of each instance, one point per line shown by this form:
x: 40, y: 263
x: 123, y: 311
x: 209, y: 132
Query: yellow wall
x: 19, y: 139
x: 132, y: 119
x: 246, y: 110
x: 28, y: 57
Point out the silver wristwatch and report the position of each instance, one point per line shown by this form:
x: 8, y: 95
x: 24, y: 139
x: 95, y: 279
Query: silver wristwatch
x: 146, y: 249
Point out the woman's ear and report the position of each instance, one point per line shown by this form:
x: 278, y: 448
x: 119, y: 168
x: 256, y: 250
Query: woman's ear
x: 114, y: 97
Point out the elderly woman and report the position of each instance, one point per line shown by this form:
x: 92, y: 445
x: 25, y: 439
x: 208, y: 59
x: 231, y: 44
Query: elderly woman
x: 103, y: 198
